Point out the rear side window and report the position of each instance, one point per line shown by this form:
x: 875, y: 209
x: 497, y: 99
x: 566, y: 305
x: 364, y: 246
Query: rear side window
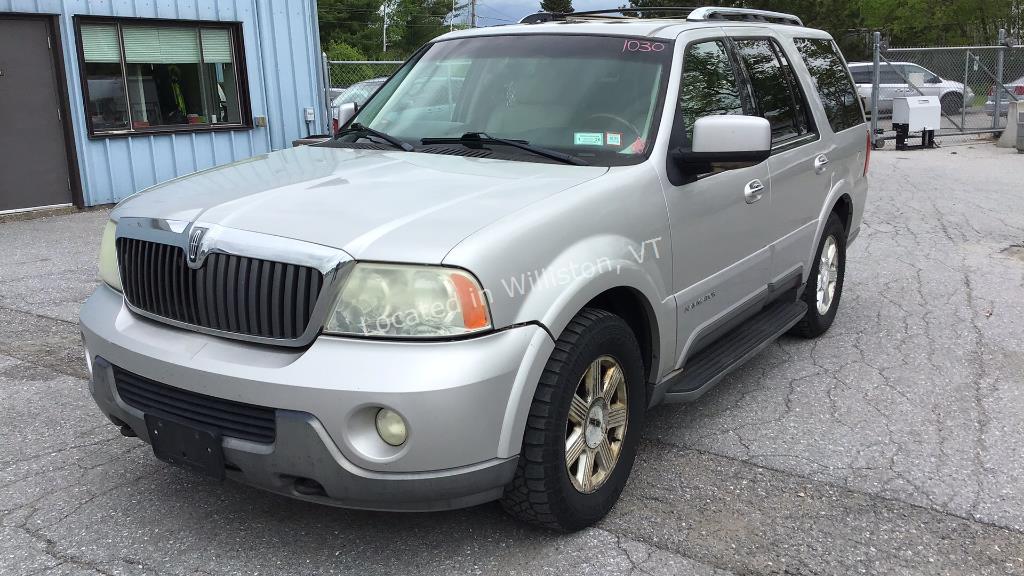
x: 709, y: 86
x: 861, y: 76
x: 776, y: 92
x: 838, y: 94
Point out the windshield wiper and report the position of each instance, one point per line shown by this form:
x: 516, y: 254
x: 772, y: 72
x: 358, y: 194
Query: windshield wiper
x: 470, y: 138
x: 358, y: 128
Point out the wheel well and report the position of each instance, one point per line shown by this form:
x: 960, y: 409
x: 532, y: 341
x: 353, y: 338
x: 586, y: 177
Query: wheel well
x: 631, y: 306
x: 844, y: 209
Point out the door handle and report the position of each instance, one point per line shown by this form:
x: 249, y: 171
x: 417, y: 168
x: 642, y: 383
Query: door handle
x: 820, y: 162
x: 753, y: 191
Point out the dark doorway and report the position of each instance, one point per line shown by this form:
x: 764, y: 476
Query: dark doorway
x: 34, y: 169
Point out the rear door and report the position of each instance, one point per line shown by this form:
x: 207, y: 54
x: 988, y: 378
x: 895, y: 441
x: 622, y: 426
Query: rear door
x: 843, y: 125
x: 799, y: 164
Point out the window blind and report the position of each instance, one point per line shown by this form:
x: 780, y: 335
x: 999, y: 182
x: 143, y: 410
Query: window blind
x: 216, y: 45
x: 99, y: 43
x: 160, y: 45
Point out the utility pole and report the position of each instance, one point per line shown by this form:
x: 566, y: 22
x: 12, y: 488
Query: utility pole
x: 385, y: 39
x: 451, y: 19
x: 472, y: 13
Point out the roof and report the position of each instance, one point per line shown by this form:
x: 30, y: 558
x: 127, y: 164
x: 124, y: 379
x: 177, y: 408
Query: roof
x: 615, y: 22
x: 663, y: 28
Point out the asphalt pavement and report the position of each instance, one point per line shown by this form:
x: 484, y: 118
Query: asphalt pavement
x: 894, y: 444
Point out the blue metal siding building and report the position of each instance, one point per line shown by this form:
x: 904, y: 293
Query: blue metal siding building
x: 280, y: 54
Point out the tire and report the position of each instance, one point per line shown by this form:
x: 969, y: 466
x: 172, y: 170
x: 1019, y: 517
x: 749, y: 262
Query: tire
x: 952, y: 103
x: 816, y: 322
x: 542, y: 492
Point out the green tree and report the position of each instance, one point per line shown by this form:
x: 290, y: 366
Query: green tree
x: 359, y: 24
x: 557, y: 6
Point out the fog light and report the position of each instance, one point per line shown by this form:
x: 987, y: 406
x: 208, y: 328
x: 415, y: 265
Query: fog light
x: 391, y: 427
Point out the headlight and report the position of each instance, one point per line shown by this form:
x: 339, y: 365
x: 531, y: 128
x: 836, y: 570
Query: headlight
x: 409, y: 302
x: 108, y: 258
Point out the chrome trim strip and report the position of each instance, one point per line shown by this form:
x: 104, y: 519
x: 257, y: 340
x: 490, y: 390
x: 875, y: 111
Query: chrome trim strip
x: 333, y: 263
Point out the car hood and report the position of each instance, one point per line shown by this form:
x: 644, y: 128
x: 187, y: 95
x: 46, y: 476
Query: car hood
x: 374, y: 205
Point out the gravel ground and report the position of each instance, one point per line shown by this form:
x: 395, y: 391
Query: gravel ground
x: 892, y: 445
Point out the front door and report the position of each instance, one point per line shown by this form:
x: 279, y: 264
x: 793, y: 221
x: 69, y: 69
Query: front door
x: 33, y: 157
x: 720, y: 232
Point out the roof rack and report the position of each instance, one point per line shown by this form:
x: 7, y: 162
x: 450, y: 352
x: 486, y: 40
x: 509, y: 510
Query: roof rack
x: 689, y: 13
x: 744, y: 14
x: 609, y: 13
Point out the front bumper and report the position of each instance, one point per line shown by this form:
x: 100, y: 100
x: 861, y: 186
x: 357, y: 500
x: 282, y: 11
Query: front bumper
x: 465, y: 403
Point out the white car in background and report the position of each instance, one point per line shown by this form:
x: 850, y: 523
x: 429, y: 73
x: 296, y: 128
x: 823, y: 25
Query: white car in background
x: 357, y: 93
x: 893, y: 84
x: 1015, y: 88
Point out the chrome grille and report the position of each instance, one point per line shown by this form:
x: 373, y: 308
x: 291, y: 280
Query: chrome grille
x: 228, y: 293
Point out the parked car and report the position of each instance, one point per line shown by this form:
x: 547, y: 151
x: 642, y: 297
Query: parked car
x: 893, y: 84
x: 357, y: 93
x: 479, y: 299
x: 1016, y: 92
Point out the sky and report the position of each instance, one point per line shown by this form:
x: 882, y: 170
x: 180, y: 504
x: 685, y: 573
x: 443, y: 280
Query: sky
x: 496, y: 12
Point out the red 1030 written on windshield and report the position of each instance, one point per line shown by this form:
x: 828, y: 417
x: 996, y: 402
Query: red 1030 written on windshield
x: 641, y: 46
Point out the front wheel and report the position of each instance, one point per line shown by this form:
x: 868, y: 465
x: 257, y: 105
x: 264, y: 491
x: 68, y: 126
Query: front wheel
x: 584, y: 426
x: 825, y: 283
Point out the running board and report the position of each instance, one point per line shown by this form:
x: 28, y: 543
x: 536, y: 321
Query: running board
x: 710, y: 365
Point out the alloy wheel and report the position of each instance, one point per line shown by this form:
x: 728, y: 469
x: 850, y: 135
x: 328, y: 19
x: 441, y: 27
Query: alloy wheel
x: 828, y: 274
x: 596, y: 426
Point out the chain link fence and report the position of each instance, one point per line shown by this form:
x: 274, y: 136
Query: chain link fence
x: 342, y: 75
x: 974, y: 85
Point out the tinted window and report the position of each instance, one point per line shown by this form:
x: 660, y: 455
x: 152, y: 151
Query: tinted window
x: 889, y: 76
x: 709, y: 85
x: 838, y: 94
x: 776, y: 94
x: 862, y: 76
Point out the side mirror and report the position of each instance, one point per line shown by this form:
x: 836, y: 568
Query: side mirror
x: 736, y: 141
x: 344, y: 113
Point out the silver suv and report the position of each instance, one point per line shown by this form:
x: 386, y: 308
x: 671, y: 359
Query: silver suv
x: 479, y: 299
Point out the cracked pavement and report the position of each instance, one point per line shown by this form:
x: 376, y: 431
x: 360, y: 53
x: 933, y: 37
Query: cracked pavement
x: 894, y: 444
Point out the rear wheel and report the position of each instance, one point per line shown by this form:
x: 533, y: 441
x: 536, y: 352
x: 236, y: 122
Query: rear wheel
x: 584, y: 426
x: 825, y: 283
x: 952, y: 103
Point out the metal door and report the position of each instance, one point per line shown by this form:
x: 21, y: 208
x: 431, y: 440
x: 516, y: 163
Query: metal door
x: 33, y: 157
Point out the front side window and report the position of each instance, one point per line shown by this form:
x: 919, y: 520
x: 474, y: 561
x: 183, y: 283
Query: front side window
x: 837, y: 92
x: 597, y: 98
x: 709, y: 85
x: 154, y: 76
x: 776, y: 93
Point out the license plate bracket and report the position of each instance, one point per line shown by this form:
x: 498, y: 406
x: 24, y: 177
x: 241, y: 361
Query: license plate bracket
x: 186, y: 445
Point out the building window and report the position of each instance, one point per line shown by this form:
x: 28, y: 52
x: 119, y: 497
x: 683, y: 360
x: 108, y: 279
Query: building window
x: 155, y: 76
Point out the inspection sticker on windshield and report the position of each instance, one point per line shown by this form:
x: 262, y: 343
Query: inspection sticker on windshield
x: 588, y: 138
x: 613, y: 138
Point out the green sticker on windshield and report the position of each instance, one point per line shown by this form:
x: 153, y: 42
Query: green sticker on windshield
x: 588, y: 138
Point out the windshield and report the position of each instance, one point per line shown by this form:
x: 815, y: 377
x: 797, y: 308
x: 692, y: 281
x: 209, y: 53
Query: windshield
x: 597, y: 98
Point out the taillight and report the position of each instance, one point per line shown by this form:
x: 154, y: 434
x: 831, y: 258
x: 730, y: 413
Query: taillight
x: 1018, y: 90
x: 334, y: 124
x: 992, y: 91
x: 867, y: 154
